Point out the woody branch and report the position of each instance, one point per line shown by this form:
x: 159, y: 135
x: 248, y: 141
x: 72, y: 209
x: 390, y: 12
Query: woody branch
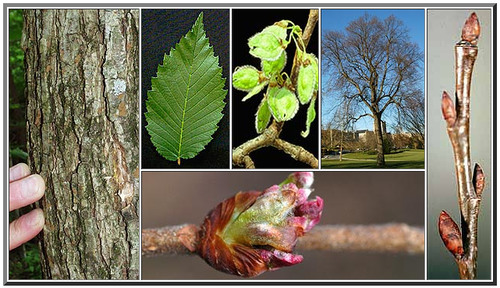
x: 393, y: 238
x: 463, y: 244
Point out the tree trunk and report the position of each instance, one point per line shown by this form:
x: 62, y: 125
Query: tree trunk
x: 341, y: 143
x: 83, y: 138
x: 377, y: 121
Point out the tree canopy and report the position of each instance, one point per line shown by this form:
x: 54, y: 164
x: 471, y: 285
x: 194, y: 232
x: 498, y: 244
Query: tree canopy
x: 373, y: 64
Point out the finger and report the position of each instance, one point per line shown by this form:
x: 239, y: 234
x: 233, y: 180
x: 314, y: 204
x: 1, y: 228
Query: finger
x: 18, y: 171
x: 25, y: 228
x: 26, y: 191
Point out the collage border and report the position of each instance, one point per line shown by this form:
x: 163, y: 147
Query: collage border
x: 320, y: 6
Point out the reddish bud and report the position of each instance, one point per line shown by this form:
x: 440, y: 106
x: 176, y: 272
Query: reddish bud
x: 478, y: 180
x: 448, y: 109
x: 302, y: 180
x: 471, y: 29
x: 450, y: 234
x: 253, y: 232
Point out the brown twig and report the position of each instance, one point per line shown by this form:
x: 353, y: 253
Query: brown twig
x: 470, y: 185
x: 388, y: 238
x: 270, y: 136
x: 171, y: 240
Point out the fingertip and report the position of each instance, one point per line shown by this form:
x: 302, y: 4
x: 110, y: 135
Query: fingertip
x: 38, y: 219
x: 25, y: 228
x: 26, y: 191
x: 38, y: 182
x: 18, y: 171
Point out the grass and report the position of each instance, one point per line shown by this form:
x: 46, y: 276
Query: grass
x: 403, y: 159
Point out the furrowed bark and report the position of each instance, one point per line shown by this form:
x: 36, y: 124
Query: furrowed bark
x: 470, y: 185
x: 82, y: 124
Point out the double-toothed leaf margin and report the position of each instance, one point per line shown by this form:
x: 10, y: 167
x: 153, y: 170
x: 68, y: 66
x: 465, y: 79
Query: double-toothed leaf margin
x: 187, y: 97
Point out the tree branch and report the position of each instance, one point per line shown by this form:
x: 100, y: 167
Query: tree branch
x: 469, y: 187
x: 388, y: 238
x: 270, y: 136
x: 393, y: 238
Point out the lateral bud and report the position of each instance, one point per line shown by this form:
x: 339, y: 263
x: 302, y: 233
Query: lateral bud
x: 478, y: 180
x: 450, y: 234
x: 448, y: 109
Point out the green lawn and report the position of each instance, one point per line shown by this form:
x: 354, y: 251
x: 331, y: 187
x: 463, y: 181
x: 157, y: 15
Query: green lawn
x: 403, y: 159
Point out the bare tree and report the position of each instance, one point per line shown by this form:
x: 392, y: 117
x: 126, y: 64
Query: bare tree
x: 344, y: 120
x: 413, y: 117
x: 375, y: 66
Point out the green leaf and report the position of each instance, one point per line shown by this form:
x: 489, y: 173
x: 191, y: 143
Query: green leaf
x: 18, y: 153
x: 311, y: 114
x: 282, y: 103
x: 187, y: 97
x: 263, y: 116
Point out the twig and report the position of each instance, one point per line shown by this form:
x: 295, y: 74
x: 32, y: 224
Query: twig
x: 389, y: 238
x: 394, y: 238
x: 270, y: 136
x: 172, y: 240
x: 463, y: 245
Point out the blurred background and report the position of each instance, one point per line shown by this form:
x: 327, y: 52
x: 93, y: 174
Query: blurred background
x: 444, y: 30
x: 172, y: 198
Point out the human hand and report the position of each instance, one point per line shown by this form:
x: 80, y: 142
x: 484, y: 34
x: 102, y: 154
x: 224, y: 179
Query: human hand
x: 24, y: 190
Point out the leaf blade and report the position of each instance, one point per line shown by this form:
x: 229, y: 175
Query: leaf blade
x: 186, y: 99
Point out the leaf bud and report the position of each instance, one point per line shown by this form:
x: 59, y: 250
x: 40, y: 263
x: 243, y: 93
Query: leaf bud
x: 478, y: 180
x: 471, y: 29
x: 253, y: 232
x: 448, y: 109
x: 450, y: 234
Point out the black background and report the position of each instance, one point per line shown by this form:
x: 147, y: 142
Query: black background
x: 161, y: 30
x: 246, y: 23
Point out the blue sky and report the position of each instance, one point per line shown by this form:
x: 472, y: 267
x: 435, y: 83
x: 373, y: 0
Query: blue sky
x: 338, y: 19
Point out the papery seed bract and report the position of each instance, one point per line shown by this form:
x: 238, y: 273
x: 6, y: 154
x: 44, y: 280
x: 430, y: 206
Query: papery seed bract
x: 270, y: 68
x: 262, y: 117
x: 245, y: 78
x: 278, y: 29
x: 307, y: 79
x: 266, y: 46
x: 283, y: 103
x: 255, y: 90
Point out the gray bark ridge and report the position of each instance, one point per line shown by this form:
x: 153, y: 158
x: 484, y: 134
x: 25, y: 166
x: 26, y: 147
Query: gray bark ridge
x: 82, y: 80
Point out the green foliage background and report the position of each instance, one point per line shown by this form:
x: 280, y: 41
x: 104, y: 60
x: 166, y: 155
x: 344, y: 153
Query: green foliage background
x: 24, y: 261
